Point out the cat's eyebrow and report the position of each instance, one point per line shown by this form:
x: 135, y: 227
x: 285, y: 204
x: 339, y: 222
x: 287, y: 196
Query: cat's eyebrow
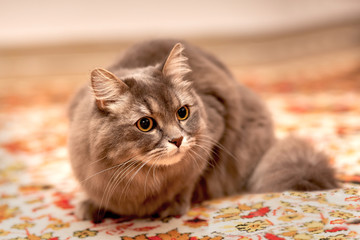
x: 185, y: 98
x: 137, y: 113
x: 145, y: 109
x: 152, y: 105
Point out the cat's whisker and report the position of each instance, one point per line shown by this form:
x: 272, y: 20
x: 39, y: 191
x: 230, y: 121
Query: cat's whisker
x: 204, y: 159
x: 107, y: 185
x: 107, y: 169
x: 125, y: 173
x: 156, y: 180
x: 210, y: 151
x: 207, y: 149
x: 101, y: 159
x: 132, y: 178
x: 117, y: 180
x: 210, y: 161
x: 155, y: 151
x: 210, y: 140
x: 194, y: 159
x: 152, y: 165
x: 117, y: 172
x: 158, y: 155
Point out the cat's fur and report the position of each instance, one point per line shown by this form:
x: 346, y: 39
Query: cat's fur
x: 228, y: 146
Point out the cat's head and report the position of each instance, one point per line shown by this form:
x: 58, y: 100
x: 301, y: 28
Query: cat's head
x: 150, y: 114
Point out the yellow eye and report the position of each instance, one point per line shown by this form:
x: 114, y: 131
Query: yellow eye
x: 145, y: 124
x: 183, y: 113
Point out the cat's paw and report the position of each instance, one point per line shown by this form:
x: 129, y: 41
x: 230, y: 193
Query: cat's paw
x: 86, y: 210
x: 82, y: 210
x: 172, y: 209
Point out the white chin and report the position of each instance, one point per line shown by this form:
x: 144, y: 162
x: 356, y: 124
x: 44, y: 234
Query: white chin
x: 170, y: 160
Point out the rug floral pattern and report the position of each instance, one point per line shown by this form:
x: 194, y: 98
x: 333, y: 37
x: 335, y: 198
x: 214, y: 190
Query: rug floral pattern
x: 38, y: 192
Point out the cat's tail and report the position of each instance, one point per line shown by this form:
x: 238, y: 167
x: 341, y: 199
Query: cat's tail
x: 292, y: 164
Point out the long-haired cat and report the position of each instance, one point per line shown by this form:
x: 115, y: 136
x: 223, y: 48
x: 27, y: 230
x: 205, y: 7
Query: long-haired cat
x: 168, y: 125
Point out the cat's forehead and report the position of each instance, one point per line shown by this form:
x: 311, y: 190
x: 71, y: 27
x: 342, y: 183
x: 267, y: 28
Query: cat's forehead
x: 141, y: 75
x: 151, y: 94
x: 149, y: 84
x: 157, y: 97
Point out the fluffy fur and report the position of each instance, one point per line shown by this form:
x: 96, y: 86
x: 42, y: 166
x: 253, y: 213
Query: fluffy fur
x: 227, y: 147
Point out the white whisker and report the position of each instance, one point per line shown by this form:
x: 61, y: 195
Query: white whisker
x: 210, y: 140
x: 97, y: 161
x: 147, y: 174
x: 117, y: 180
x: 107, y: 169
x: 116, y: 172
x: 194, y: 158
x: 131, y: 179
x: 107, y: 185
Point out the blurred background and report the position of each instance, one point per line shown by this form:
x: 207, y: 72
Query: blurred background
x: 301, y: 56
x: 57, y: 43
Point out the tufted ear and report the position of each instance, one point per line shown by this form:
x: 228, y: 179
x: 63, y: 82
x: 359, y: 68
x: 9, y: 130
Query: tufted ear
x: 176, y: 66
x: 107, y: 87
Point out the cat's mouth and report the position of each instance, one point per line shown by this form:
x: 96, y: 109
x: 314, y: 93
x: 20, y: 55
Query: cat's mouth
x: 172, y: 157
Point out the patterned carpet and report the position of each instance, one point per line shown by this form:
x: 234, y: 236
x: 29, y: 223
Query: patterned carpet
x: 38, y: 192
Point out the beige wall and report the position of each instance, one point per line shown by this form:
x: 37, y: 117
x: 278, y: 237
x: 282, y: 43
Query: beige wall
x: 28, y: 22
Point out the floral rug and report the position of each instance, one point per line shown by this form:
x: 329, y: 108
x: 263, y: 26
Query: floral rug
x: 38, y: 192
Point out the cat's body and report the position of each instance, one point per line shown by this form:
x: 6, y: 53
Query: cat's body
x: 225, y: 145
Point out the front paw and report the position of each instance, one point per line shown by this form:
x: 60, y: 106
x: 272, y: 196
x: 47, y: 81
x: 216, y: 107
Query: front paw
x: 172, y: 209
x: 86, y: 210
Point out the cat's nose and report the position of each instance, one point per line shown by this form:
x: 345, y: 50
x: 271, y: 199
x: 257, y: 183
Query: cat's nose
x: 176, y: 141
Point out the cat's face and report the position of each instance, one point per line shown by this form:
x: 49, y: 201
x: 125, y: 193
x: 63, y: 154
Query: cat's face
x: 152, y: 117
x: 159, y: 123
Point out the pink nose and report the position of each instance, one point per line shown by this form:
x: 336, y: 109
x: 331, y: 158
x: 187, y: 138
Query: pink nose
x: 176, y: 141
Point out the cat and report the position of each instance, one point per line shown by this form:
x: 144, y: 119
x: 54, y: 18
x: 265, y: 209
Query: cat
x: 167, y: 126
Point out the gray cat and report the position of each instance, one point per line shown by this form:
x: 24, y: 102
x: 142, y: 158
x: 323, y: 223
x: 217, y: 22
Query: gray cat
x: 167, y: 126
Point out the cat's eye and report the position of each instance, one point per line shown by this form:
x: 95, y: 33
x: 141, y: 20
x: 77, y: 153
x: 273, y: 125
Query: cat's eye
x: 183, y: 113
x: 145, y: 124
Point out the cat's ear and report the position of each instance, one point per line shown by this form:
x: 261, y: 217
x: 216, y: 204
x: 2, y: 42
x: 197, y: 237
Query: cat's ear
x: 176, y: 65
x: 107, y: 87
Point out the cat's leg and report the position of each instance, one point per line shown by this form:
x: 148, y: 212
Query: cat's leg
x: 85, y: 209
x: 178, y: 206
x: 292, y: 164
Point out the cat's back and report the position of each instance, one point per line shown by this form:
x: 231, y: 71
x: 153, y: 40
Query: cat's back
x: 208, y: 75
x: 150, y: 53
